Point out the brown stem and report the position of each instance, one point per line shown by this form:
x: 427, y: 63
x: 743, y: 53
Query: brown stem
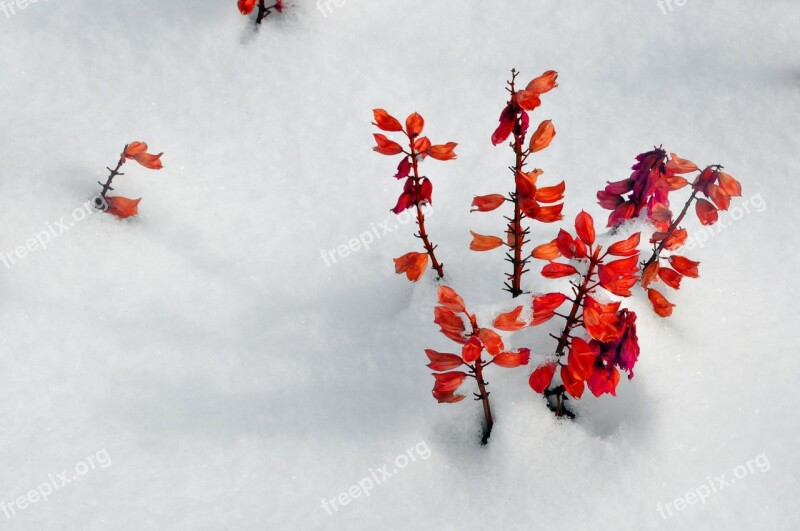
x: 573, y: 321
x: 483, y: 395
x: 657, y: 251
x: 515, y: 230
x: 114, y: 173
x: 263, y: 10
x: 423, y: 235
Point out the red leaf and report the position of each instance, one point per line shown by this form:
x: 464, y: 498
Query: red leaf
x: 443, y: 362
x: 542, y: 377
x: 447, y: 397
x: 581, y: 358
x: 547, y: 251
x: 670, y: 277
x: 679, y: 165
x: 510, y: 321
x: 684, y: 266
x: 487, y: 203
x: 730, y: 185
x: 246, y: 6
x: 450, y: 299
x: 451, y: 324
x: 550, y: 194
x: 472, y: 350
x: 122, y: 207
x: 544, y: 83
x: 442, y: 152
x: 412, y: 264
x: 603, y: 381
x: 491, y: 341
x: 422, y: 144
x: 543, y: 136
x: 650, y: 274
x: 660, y: 303
x: 385, y: 121
x: 414, y: 125
x: 544, y: 307
x: 386, y: 146
x: 572, y: 384
x: 706, y: 212
x: 511, y: 360
x: 626, y: 247
x: 557, y: 270
x: 719, y: 196
x: 448, y: 381
x: 584, y: 227
x: 484, y: 243
x: 602, y: 320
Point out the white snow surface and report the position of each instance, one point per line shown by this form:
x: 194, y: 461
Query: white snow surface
x: 234, y: 380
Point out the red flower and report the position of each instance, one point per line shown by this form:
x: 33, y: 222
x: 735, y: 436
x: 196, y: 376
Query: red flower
x: 623, y: 352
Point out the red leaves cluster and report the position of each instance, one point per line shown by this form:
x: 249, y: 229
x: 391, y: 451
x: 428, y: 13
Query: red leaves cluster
x: 453, y: 319
x: 614, y: 344
x: 417, y: 189
x: 246, y: 7
x: 123, y: 207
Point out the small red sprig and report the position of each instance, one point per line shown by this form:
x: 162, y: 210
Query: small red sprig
x: 247, y: 6
x: 528, y: 200
x: 417, y: 189
x: 453, y: 318
x: 122, y: 207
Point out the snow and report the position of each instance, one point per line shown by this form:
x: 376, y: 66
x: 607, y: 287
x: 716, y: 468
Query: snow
x: 234, y: 380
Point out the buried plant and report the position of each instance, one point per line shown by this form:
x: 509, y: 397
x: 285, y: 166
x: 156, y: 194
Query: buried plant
x: 527, y: 199
x: 655, y: 176
x: 246, y: 7
x: 417, y: 188
x: 462, y: 327
x: 122, y: 207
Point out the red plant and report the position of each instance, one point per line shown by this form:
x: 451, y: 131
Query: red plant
x: 528, y: 200
x: 655, y: 176
x: 247, y: 6
x: 612, y: 343
x: 453, y: 318
x: 417, y: 189
x: 122, y: 207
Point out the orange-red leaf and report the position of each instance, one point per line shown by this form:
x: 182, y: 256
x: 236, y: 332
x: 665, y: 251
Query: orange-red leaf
x: 443, y: 362
x: 679, y: 165
x: 472, y: 350
x: 581, y: 358
x: 660, y: 303
x: 670, y: 277
x: 601, y: 320
x: 442, y: 151
x: 122, y: 207
x: 149, y: 161
x: 544, y: 307
x: 412, y: 264
x: 526, y: 183
x: 542, y: 377
x: 731, y: 186
x: 547, y: 251
x: 684, y: 266
x: 511, y: 360
x: 650, y: 274
x: 557, y: 270
x: 572, y: 384
x: 550, y: 214
x: 448, y: 381
x: 550, y: 194
x: 544, y: 83
x: 447, y: 397
x: 543, y: 136
x: 484, y: 243
x: 625, y: 267
x: 626, y: 247
x: 706, y: 212
x: 487, y: 203
x: 385, y: 121
x: 414, y: 125
x: 422, y: 144
x: 451, y: 324
x: 386, y: 146
x: 450, y: 299
x: 510, y: 321
x: 135, y: 148
x: 584, y: 227
x: 528, y: 99
x: 719, y: 196
x: 246, y: 6
x: 492, y: 341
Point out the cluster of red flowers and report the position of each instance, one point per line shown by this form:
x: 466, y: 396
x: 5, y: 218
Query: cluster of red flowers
x: 122, y: 207
x: 613, y: 344
x: 247, y: 6
x: 417, y: 189
x: 655, y: 176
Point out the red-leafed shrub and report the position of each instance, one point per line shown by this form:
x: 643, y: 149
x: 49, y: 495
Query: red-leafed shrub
x: 246, y: 7
x: 122, y: 207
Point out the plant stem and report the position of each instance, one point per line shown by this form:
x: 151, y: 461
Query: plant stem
x: 263, y: 10
x: 572, y: 321
x: 114, y: 173
x: 483, y: 396
x: 423, y: 235
x: 515, y: 230
x: 657, y: 251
